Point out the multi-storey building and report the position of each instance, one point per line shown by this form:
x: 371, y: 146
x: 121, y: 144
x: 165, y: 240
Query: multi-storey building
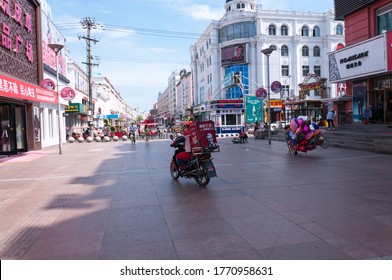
x: 167, y: 101
x: 29, y: 116
x: 184, y: 95
x: 365, y: 63
x: 227, y: 63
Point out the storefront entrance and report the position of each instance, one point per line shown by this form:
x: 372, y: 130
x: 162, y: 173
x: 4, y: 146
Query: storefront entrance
x: 381, y: 105
x: 12, y: 129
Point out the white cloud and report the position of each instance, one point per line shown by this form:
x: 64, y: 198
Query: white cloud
x: 202, y: 12
x: 197, y: 11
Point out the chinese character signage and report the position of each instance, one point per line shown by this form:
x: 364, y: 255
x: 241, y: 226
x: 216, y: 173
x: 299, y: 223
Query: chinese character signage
x: 76, y: 108
x: 18, y: 44
x: 13, y: 88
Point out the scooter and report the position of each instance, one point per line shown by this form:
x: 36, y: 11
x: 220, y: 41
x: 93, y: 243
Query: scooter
x: 199, y: 167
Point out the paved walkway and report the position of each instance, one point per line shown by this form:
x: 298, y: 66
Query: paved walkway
x: 117, y: 201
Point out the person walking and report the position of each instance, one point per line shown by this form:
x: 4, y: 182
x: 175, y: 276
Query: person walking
x: 146, y: 133
x: 330, y: 118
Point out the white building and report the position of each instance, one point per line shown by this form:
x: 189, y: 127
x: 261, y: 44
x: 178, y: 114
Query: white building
x: 233, y: 45
x: 184, y: 95
x: 167, y: 101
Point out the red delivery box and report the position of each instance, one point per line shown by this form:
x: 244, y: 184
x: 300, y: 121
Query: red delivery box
x: 202, y: 137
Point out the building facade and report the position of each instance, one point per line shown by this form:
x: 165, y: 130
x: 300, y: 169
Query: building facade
x: 28, y: 113
x: 227, y: 62
x: 184, y: 95
x: 167, y: 101
x: 365, y: 63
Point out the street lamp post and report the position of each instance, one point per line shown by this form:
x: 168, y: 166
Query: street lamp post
x: 267, y: 52
x: 57, y: 48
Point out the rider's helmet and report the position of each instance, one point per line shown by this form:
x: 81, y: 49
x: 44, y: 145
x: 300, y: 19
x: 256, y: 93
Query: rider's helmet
x: 180, y: 140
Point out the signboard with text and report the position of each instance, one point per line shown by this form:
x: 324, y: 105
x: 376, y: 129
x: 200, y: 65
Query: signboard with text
x: 359, y: 60
x: 16, y: 89
x: 253, y: 109
x: 76, y: 108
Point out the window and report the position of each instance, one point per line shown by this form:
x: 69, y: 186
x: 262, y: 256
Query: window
x: 231, y: 119
x: 305, y: 51
x: 317, y: 70
x: 339, y: 29
x: 237, y: 92
x: 285, y: 70
x: 305, y: 70
x: 316, y: 51
x: 285, y: 90
x: 305, y: 31
x: 237, y: 31
x: 384, y: 19
x: 284, y: 30
x: 238, y: 6
x: 272, y: 30
x: 316, y: 31
x: 284, y: 51
x: 51, y: 122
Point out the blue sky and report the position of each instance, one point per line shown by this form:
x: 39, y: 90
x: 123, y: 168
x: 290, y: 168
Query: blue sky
x: 142, y: 41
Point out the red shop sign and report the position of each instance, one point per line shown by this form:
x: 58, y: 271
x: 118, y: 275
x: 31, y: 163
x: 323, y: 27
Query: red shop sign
x: 16, y: 89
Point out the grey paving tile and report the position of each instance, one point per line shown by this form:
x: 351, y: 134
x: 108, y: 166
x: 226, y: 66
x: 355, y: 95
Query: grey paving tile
x: 315, y: 250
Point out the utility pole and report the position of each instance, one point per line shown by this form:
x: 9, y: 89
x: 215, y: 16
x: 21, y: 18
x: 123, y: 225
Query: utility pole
x: 89, y: 23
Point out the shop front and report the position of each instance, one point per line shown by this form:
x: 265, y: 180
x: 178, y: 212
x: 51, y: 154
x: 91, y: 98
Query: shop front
x: 20, y: 74
x: 228, y: 116
x: 76, y: 116
x: 366, y: 66
x: 20, y: 115
x: 380, y: 100
x: 276, y: 110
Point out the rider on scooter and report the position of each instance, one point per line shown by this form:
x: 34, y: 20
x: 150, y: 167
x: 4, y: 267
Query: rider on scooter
x: 180, y: 154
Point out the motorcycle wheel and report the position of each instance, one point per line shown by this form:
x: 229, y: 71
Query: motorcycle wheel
x: 174, y: 172
x: 202, y: 178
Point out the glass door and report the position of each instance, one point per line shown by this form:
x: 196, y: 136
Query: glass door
x: 20, y: 128
x: 6, y: 133
x: 12, y: 129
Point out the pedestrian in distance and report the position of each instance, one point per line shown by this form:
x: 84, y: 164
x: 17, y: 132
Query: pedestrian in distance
x: 146, y: 133
x: 330, y: 118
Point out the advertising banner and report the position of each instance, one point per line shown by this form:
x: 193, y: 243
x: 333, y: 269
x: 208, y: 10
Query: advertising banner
x: 202, y: 137
x: 360, y: 60
x: 76, y: 108
x: 254, y: 109
x: 233, y: 55
x: 16, y: 89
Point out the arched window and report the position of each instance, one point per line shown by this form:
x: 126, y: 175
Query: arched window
x: 316, y: 51
x: 339, y: 29
x: 316, y: 31
x: 272, y: 29
x: 305, y: 51
x: 238, y: 6
x: 284, y: 30
x: 243, y: 6
x: 305, y: 31
x: 284, y: 51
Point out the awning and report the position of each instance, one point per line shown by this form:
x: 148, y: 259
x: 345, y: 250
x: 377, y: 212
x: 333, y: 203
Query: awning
x: 338, y: 99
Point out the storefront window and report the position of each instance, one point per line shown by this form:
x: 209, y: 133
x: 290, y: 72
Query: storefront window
x: 230, y: 119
